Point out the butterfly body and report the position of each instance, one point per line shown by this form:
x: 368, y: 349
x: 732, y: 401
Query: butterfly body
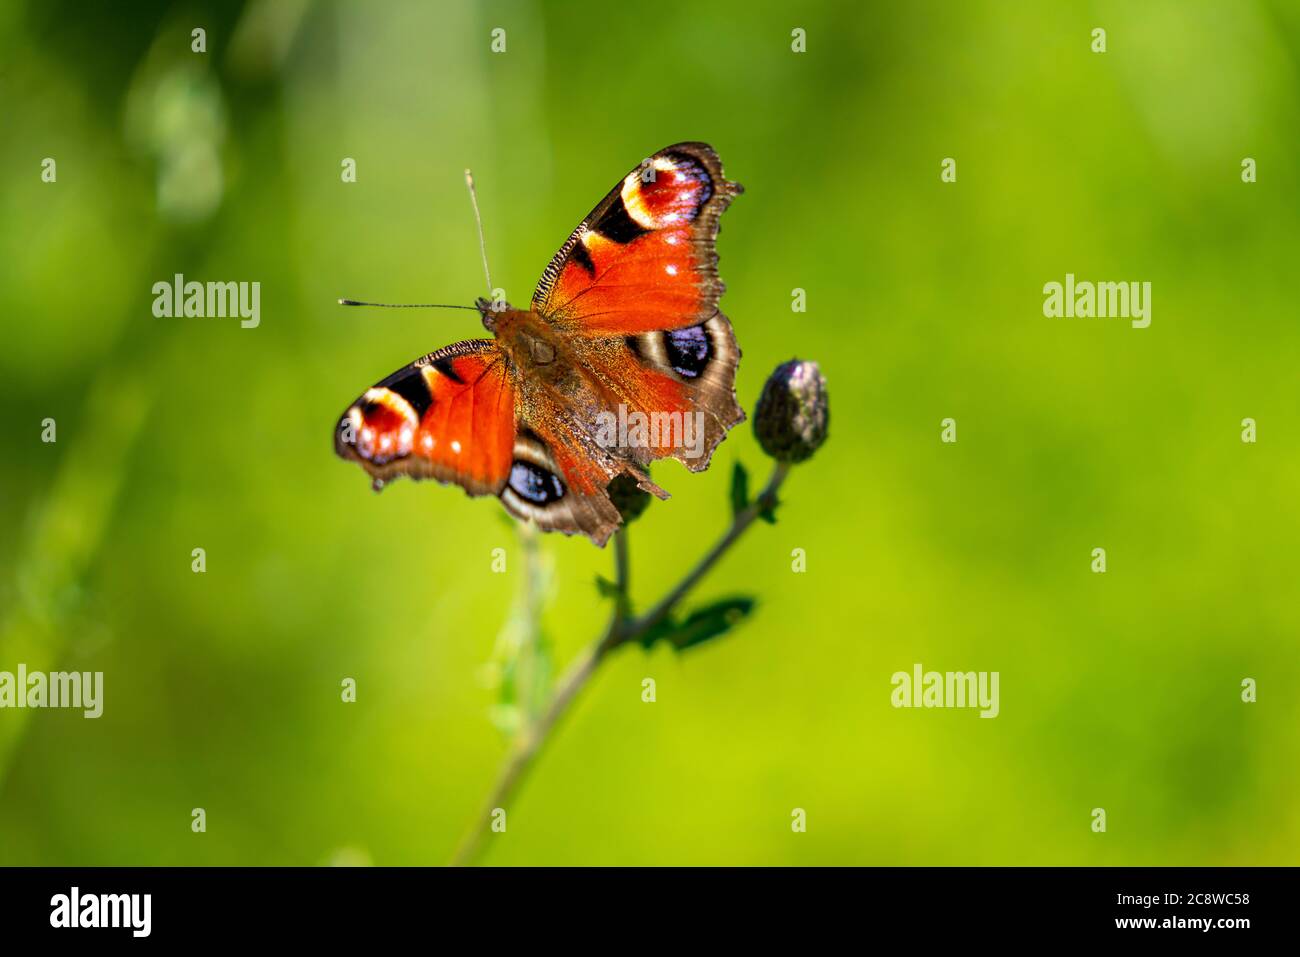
x: 536, y: 350
x: 623, y: 328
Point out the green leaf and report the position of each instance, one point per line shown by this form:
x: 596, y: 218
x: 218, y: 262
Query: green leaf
x: 711, y: 621
x: 663, y: 629
x: 739, y: 489
x: 768, y: 514
x: 606, y: 587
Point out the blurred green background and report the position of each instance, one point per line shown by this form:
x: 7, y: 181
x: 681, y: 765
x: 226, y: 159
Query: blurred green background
x: 1119, y: 690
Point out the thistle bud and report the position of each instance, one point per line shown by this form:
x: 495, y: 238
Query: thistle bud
x: 793, y: 412
x: 628, y: 497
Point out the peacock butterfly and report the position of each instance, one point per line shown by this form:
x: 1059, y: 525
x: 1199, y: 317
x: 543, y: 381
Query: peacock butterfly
x: 622, y: 358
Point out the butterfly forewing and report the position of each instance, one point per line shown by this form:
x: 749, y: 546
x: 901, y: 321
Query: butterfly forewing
x: 449, y: 416
x: 644, y: 258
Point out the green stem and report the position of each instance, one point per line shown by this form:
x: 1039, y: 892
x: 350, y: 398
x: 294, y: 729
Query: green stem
x: 622, y: 577
x: 530, y: 652
x: 535, y: 733
x: 622, y: 629
x: 743, y: 519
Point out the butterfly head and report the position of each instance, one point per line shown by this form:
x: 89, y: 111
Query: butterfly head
x: 492, y: 311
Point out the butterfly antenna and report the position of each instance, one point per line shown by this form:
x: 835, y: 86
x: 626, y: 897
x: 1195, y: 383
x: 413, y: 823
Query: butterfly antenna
x: 482, y: 243
x: 482, y: 248
x: 403, y: 305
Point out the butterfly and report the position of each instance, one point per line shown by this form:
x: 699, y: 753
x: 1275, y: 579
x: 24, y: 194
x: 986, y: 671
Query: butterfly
x: 622, y: 358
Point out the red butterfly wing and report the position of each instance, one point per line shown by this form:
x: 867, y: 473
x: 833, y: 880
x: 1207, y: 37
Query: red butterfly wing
x: 449, y: 416
x: 636, y: 287
x: 644, y: 258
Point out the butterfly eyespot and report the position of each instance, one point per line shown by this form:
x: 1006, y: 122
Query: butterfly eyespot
x: 689, y: 350
x: 535, y: 484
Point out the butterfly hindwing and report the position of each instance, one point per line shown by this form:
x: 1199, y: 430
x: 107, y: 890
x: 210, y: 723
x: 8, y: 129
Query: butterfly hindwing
x: 558, y: 492
x: 449, y: 416
x: 702, y: 361
x: 665, y: 393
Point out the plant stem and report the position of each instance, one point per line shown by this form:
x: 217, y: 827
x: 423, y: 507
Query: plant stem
x: 531, y: 651
x: 622, y: 577
x: 622, y: 628
x: 525, y: 748
x: 744, y: 518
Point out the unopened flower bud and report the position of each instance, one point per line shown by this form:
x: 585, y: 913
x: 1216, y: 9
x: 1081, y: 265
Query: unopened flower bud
x: 793, y: 412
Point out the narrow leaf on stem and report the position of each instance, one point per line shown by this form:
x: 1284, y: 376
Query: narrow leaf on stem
x: 739, y: 489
